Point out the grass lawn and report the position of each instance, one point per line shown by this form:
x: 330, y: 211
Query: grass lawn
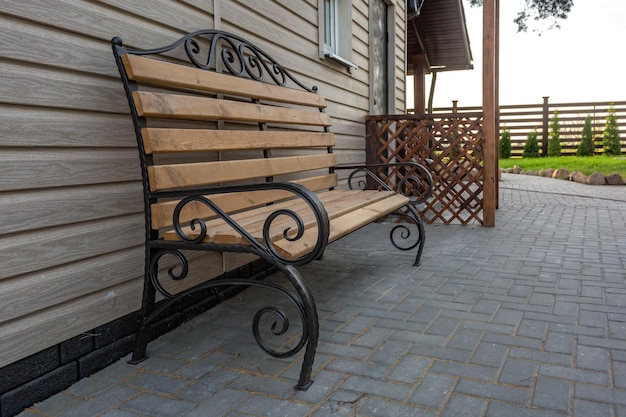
x: 586, y: 164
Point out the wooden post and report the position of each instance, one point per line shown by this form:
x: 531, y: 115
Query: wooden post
x: 546, y: 126
x: 490, y: 112
x: 371, y: 148
x: 419, y: 84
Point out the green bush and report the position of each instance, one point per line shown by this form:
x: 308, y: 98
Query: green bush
x: 504, y: 145
x: 531, y: 147
x: 611, y: 143
x: 585, y: 147
x: 554, y: 137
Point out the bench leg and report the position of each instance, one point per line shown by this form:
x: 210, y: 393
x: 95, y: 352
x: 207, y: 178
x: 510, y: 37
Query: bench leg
x: 311, y: 325
x: 422, y: 239
x: 147, y: 306
x: 404, y: 233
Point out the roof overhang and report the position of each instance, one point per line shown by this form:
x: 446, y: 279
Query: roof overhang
x: 437, y: 35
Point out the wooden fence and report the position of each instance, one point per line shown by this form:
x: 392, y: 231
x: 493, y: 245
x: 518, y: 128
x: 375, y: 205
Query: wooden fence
x: 521, y: 119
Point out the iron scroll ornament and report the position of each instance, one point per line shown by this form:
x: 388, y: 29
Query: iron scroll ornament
x: 280, y: 324
x: 266, y: 248
x: 238, y: 56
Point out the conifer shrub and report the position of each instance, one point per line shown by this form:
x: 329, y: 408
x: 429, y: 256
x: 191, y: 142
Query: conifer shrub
x: 504, y: 145
x: 611, y: 144
x: 585, y: 147
x: 531, y: 147
x: 554, y: 137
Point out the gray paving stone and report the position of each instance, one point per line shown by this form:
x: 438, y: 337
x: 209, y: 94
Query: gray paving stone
x: 158, y: 383
x: 259, y: 405
x: 119, y: 413
x: 486, y: 373
x: 560, y: 342
x: 377, y: 407
x: 591, y: 409
x: 463, y: 405
x: 211, y: 383
x: 592, y: 358
x: 104, y: 401
x: 518, y: 372
x: 433, y: 391
x: 489, y: 354
x: 158, y: 406
x: 350, y: 367
x: 219, y: 405
x: 552, y: 394
x: 575, y: 375
x: 600, y: 394
x: 373, y: 387
x: 496, y: 409
x: 492, y: 391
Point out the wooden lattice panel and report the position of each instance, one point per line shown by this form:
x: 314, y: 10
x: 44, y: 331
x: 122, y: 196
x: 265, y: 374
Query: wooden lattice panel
x: 449, y: 145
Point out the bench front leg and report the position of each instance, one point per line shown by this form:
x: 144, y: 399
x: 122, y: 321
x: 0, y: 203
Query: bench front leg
x: 417, y: 185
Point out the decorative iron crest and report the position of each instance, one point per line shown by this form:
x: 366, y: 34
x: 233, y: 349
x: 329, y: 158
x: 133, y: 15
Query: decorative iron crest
x: 217, y: 50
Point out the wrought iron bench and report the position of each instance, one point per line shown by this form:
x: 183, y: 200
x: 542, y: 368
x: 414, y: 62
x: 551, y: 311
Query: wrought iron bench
x: 236, y: 156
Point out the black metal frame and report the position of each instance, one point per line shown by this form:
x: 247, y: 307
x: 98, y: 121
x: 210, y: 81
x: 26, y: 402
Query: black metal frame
x: 240, y: 58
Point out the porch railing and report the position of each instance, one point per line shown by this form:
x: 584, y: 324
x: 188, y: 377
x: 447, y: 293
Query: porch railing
x: 450, y: 145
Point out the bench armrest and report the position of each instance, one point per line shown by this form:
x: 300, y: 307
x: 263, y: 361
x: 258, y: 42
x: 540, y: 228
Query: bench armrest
x: 263, y: 248
x: 417, y: 183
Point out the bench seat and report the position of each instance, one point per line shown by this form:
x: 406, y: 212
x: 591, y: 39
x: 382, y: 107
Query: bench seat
x: 348, y: 210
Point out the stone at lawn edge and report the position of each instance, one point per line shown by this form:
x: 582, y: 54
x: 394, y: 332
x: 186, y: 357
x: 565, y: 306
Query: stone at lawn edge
x: 614, y: 179
x: 578, y: 177
x: 561, y: 174
x: 548, y: 172
x: 596, y: 179
x: 517, y: 169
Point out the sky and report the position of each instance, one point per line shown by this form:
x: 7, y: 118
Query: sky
x: 583, y: 61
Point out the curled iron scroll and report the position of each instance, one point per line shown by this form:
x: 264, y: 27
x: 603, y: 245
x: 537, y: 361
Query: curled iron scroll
x: 280, y: 323
x: 266, y: 248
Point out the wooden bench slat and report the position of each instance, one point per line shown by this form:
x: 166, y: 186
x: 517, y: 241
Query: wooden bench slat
x: 336, y: 203
x: 158, y: 140
x: 162, y: 212
x: 157, y: 72
x: 179, y: 106
x: 167, y: 177
x: 253, y: 221
x: 341, y: 226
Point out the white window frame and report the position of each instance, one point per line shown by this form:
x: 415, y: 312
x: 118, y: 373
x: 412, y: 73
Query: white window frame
x: 335, y: 31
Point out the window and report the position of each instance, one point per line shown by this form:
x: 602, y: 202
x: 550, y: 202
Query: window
x: 336, y: 31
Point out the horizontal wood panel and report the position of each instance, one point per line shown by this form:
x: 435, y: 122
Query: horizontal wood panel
x: 51, y: 247
x: 38, y: 209
x: 167, y: 177
x: 156, y: 72
x: 162, y: 212
x: 37, y: 291
x: 39, y: 86
x: 44, y: 127
x: 31, y: 334
x: 29, y: 169
x: 178, y: 106
x: 201, y: 140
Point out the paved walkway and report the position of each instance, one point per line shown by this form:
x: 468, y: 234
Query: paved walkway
x: 526, y: 319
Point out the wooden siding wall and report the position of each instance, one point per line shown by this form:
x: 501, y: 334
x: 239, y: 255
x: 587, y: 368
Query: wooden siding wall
x: 72, y: 224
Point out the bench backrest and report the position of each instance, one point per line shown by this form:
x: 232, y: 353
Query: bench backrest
x: 233, y: 116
